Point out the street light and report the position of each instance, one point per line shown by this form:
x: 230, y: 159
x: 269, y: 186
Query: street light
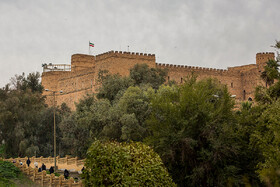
x: 54, y: 130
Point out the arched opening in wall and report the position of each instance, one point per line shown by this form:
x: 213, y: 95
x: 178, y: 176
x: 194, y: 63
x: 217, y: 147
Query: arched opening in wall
x: 250, y: 99
x: 168, y: 78
x: 244, y: 94
x: 181, y: 80
x: 231, y: 84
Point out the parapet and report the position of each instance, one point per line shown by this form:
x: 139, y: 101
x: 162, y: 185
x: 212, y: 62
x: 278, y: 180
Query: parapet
x: 265, y: 53
x: 123, y: 54
x: 81, y: 57
x: 191, y: 68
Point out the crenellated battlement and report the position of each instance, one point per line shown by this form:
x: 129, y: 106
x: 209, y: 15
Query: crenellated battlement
x: 264, y: 53
x: 124, y: 54
x: 262, y: 58
x: 195, y: 68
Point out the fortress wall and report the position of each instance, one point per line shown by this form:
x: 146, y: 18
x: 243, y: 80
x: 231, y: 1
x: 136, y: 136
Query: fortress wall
x: 75, y: 86
x: 71, y: 98
x: 250, y: 80
x: 50, y: 79
x: 81, y: 62
x: 122, y: 62
x: 81, y: 81
x: 123, y: 54
x: 50, y: 82
x: 179, y: 72
x: 243, y: 68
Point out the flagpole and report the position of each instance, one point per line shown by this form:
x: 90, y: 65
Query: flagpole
x: 88, y: 47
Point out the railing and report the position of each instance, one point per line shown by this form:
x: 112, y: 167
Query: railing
x: 44, y: 179
x: 65, y: 163
x: 56, y: 67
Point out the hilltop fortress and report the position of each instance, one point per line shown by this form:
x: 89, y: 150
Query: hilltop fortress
x: 80, y: 78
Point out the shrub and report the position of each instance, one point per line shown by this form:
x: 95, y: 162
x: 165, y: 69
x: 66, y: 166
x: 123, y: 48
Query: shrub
x: 124, y: 164
x: 8, y: 172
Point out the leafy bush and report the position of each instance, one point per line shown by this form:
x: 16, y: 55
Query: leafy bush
x: 8, y: 172
x: 124, y: 164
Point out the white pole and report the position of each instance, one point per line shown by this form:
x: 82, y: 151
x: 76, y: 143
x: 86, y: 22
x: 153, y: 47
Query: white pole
x: 89, y: 47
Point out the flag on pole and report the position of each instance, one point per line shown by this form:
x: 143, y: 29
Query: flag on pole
x: 91, y: 44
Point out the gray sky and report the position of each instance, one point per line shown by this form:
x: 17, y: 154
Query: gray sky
x: 207, y: 33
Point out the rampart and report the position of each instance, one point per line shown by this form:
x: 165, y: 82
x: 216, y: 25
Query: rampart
x: 82, y: 79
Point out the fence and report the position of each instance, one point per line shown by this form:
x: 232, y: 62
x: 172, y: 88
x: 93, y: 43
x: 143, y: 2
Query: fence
x: 65, y: 163
x: 44, y: 179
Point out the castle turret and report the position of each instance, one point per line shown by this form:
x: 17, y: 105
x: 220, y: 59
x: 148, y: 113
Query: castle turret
x: 262, y: 59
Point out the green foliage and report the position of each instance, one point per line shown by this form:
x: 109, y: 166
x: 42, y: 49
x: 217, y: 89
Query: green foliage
x: 192, y: 128
x: 142, y: 74
x: 250, y: 154
x: 32, y: 82
x: 124, y: 164
x: 121, y: 120
x: 271, y: 72
x: 113, y: 86
x: 8, y: 172
x: 267, y: 137
x: 26, y: 124
x: 277, y: 44
x: 19, y: 115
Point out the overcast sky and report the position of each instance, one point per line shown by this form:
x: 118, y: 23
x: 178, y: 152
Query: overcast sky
x: 207, y: 33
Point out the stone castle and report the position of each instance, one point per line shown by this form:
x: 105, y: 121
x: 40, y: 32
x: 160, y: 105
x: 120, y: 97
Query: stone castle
x: 80, y: 78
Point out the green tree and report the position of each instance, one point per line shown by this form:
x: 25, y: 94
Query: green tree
x: 192, y: 128
x: 142, y: 74
x: 250, y: 154
x: 32, y: 82
x: 113, y: 86
x: 19, y: 115
x: 135, y: 106
x: 266, y: 137
x: 26, y: 124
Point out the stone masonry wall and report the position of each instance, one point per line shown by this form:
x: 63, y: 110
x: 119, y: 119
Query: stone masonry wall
x: 82, y: 79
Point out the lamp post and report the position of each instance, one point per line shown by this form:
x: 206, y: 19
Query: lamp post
x: 54, y: 126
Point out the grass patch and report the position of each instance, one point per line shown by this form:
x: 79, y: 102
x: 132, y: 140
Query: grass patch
x: 11, y: 176
x: 8, y: 173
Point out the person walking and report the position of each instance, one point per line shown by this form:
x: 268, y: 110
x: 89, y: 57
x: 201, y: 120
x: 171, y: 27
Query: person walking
x: 36, y: 164
x: 51, y: 170
x: 43, y: 167
x: 66, y: 174
x: 28, y: 162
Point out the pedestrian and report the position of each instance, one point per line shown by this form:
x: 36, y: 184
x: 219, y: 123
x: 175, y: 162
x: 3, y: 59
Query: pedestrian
x: 43, y: 167
x: 28, y: 162
x: 51, y: 170
x: 36, y: 164
x: 40, y: 169
x: 66, y: 174
x: 82, y: 172
x: 20, y: 162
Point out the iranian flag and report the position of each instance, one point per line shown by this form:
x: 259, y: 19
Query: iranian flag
x: 91, y: 44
